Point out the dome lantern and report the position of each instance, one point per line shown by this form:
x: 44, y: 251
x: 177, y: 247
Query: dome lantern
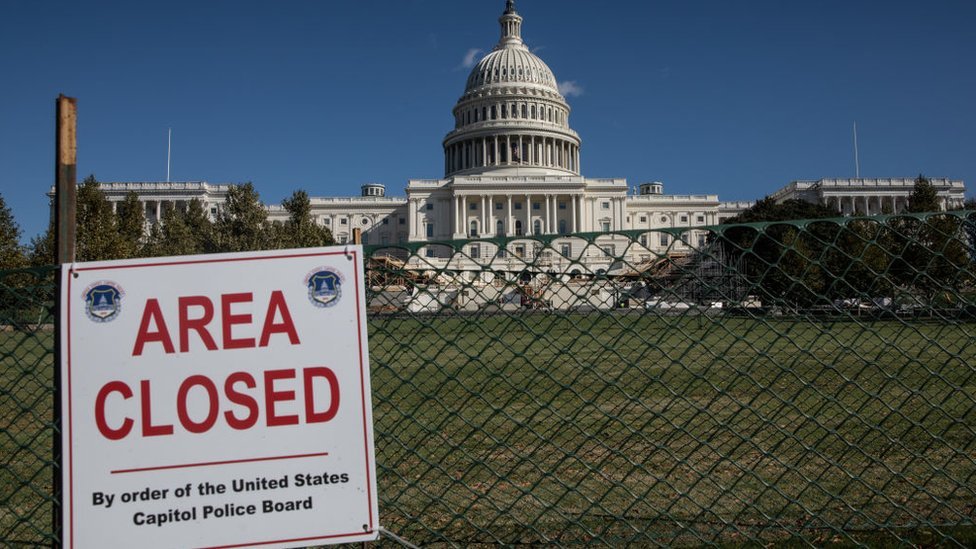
x: 511, y: 23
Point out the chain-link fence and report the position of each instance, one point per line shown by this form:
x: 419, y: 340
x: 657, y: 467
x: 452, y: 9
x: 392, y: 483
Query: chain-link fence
x: 800, y: 382
x: 27, y: 429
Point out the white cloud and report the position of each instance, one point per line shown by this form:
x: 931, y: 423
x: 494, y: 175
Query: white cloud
x: 570, y: 88
x: 470, y: 58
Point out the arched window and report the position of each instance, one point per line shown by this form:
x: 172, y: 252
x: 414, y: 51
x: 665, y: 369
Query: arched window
x: 518, y: 227
x: 504, y: 111
x: 537, y: 227
x: 499, y: 228
x: 524, y: 115
x: 473, y: 231
x: 494, y: 112
x: 484, y: 113
x: 533, y: 112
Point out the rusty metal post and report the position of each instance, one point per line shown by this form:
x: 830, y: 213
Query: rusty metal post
x: 65, y: 200
x: 357, y: 236
x: 65, y: 175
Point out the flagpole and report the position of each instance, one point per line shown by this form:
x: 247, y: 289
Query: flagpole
x: 169, y: 149
x: 857, y: 163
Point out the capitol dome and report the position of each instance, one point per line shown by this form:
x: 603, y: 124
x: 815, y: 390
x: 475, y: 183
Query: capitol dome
x: 512, y: 65
x: 511, y: 117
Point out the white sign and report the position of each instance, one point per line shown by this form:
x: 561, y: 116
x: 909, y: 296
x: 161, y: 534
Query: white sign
x: 217, y: 401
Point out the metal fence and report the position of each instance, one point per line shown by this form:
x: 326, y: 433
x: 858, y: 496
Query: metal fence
x: 802, y: 383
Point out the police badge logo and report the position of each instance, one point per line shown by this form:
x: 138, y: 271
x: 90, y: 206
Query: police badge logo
x: 103, y: 301
x: 324, y: 287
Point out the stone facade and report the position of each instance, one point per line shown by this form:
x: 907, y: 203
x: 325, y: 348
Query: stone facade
x: 869, y: 196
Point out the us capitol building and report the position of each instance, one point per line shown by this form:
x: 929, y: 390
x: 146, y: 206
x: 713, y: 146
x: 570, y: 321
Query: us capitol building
x: 513, y: 167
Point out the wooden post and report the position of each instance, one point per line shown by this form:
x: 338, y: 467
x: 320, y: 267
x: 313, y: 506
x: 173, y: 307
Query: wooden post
x: 65, y: 175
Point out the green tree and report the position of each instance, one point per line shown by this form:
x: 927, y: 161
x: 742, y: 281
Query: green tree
x: 11, y: 251
x: 198, y: 222
x: 181, y: 232
x: 243, y: 223
x: 131, y: 220
x: 97, y: 231
x: 924, y: 196
x: 40, y: 251
x: 930, y: 250
x: 169, y: 236
x: 768, y: 210
x: 301, y: 230
x: 857, y: 258
x: 782, y: 261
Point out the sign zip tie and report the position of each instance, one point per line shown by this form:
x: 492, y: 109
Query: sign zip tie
x: 396, y: 538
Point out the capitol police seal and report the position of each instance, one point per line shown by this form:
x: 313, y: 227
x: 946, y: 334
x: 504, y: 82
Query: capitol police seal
x: 103, y: 301
x: 324, y: 287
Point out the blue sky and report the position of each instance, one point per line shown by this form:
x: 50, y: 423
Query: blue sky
x: 732, y: 98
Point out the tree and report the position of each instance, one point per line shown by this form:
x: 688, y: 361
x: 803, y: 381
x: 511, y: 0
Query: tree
x: 186, y: 232
x: 924, y: 197
x: 243, y: 223
x: 768, y: 210
x: 301, y: 230
x: 201, y: 228
x: 782, y: 261
x: 131, y: 219
x: 169, y: 236
x: 40, y: 251
x: 11, y: 251
x: 97, y: 235
x: 931, y: 251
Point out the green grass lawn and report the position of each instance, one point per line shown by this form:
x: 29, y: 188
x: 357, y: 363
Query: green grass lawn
x: 26, y: 438
x: 671, y: 430
x: 626, y: 428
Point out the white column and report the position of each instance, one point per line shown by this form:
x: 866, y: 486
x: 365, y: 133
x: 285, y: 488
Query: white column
x: 520, y: 159
x: 485, y: 204
x: 573, y: 228
x: 528, y: 215
x: 495, y: 163
x: 546, y: 229
x: 508, y: 149
x: 555, y: 214
x: 554, y: 226
x: 158, y: 210
x: 509, y: 229
x: 411, y: 218
x: 420, y: 221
